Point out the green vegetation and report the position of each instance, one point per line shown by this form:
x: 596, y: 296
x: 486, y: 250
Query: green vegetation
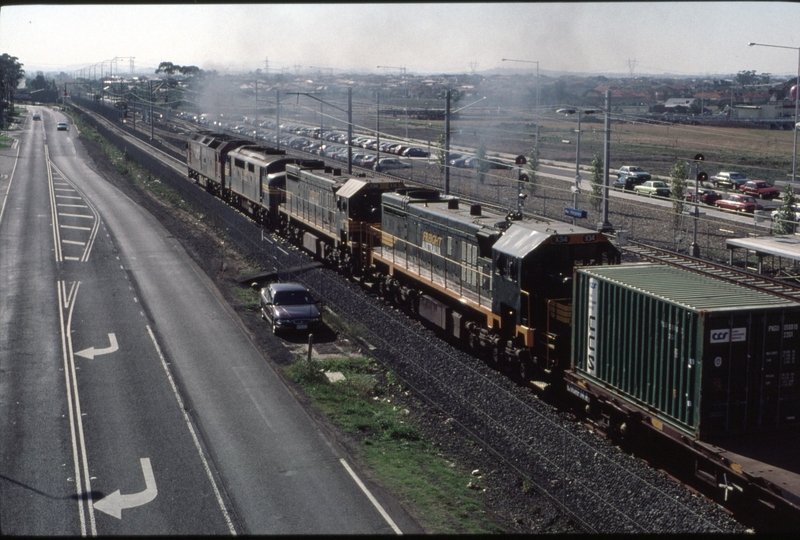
x: 785, y: 222
x: 481, y: 165
x: 11, y: 73
x: 249, y: 298
x: 364, y: 405
x: 677, y: 187
x: 596, y: 180
x: 531, y: 170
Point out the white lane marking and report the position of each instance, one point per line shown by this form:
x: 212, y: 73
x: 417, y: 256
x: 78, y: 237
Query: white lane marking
x: 196, y: 440
x: 8, y: 188
x: 88, y: 204
x: 80, y: 458
x: 114, y: 504
x: 51, y: 188
x: 91, y: 352
x: 372, y: 499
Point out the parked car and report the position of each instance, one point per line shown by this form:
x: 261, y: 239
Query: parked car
x: 731, y: 180
x: 627, y: 182
x: 358, y: 159
x: 707, y: 196
x: 387, y: 164
x: 738, y: 202
x: 652, y: 187
x: 497, y: 164
x: 633, y: 171
x: 760, y: 189
x: 415, y: 151
x: 464, y: 162
x: 796, y: 209
x: 288, y: 307
x: 62, y: 126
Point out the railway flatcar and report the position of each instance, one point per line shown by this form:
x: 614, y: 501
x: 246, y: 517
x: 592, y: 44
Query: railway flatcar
x: 483, y: 277
x: 692, y: 355
x: 333, y: 215
x: 707, y: 363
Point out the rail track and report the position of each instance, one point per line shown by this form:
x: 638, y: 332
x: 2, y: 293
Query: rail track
x: 558, y: 457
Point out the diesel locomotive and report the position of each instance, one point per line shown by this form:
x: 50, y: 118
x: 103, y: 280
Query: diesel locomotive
x: 547, y: 299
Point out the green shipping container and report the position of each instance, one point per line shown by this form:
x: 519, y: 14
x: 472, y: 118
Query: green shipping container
x: 703, y: 355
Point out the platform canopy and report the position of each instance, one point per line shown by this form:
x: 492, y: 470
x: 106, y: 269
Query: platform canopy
x: 784, y: 246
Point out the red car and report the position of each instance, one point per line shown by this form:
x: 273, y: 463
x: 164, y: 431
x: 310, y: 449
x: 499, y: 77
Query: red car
x: 738, y: 202
x: 760, y: 189
x: 707, y: 196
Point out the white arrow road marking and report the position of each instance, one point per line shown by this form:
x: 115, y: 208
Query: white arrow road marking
x: 114, y: 503
x: 91, y: 352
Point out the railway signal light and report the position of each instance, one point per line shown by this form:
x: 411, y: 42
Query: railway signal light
x: 699, y: 157
x: 702, y: 176
x: 520, y: 160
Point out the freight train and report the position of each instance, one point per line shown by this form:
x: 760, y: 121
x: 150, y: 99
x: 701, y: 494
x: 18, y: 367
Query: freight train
x: 644, y: 348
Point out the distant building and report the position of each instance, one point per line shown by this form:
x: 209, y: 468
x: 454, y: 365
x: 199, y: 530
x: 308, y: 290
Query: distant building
x: 768, y: 111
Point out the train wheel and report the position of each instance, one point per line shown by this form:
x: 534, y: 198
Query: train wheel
x: 496, y: 354
x: 525, y: 369
x: 474, y: 342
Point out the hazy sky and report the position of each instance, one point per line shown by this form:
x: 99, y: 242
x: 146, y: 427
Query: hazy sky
x: 695, y: 38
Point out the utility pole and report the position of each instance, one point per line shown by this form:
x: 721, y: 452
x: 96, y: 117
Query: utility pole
x: 606, y: 226
x: 447, y: 143
x: 278, y: 119
x: 405, y: 84
x: 151, y: 109
x: 378, y: 127
x: 255, y: 122
x: 349, y: 131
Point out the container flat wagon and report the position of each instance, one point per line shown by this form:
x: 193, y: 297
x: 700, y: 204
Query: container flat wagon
x: 701, y: 361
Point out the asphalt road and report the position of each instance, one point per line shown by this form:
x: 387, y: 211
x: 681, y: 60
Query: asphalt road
x: 131, y: 399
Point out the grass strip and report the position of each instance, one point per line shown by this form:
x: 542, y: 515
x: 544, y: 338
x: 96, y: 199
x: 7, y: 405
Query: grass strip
x: 445, y: 498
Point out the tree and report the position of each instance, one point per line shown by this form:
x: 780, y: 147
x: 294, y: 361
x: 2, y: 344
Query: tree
x: 167, y: 67
x: 746, y: 77
x: 529, y: 175
x: 11, y: 73
x: 481, y: 164
x: 785, y: 219
x: 441, y: 155
x: 596, y: 180
x: 677, y: 186
x: 37, y: 83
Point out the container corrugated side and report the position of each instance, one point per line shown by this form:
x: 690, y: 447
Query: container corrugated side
x: 703, y: 355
